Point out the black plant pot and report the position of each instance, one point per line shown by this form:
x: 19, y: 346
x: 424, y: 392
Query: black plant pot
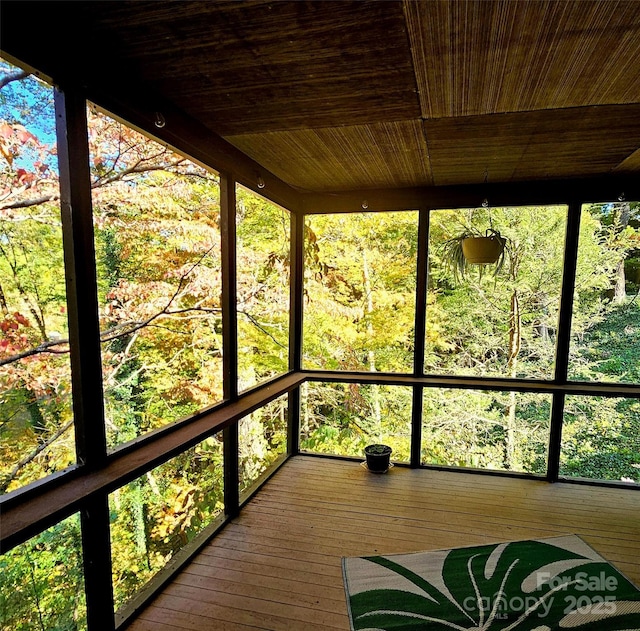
x: 378, y: 457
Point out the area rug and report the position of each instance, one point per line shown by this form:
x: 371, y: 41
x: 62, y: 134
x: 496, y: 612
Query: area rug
x: 534, y: 585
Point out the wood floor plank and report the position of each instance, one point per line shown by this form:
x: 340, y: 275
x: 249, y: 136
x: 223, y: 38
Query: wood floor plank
x: 347, y: 525
x: 277, y: 566
x: 266, y: 564
x: 162, y: 619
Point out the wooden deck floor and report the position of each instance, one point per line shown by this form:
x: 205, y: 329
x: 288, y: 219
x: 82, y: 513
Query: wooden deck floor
x: 278, y: 565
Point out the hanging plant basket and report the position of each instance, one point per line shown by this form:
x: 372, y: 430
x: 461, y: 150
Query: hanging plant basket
x: 483, y: 250
x: 475, y: 248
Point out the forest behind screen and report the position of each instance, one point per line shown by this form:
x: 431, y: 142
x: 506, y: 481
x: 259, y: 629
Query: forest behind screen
x: 156, y: 219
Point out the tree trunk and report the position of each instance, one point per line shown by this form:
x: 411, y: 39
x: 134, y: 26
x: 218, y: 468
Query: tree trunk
x: 375, y: 389
x: 621, y: 222
x: 304, y: 404
x: 3, y: 303
x: 619, y: 291
x: 541, y: 327
x: 138, y: 526
x: 515, y: 339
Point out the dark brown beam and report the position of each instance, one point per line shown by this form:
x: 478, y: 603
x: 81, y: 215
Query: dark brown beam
x: 80, y: 272
x: 229, y: 290
x: 555, y: 436
x: 296, y: 289
x: 419, y: 329
x: 475, y: 383
x: 231, y: 456
x: 296, y: 315
x: 543, y: 192
x: 96, y: 556
x: 23, y: 518
x: 189, y: 137
x: 293, y: 423
x: 422, y: 280
x: 229, y: 339
x: 568, y: 287
x: 416, y: 426
x: 563, y: 339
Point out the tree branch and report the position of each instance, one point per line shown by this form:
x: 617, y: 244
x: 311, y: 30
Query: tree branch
x: 136, y: 168
x: 27, y: 203
x: 9, y: 477
x: 255, y: 323
x: 13, y: 76
x: 121, y: 330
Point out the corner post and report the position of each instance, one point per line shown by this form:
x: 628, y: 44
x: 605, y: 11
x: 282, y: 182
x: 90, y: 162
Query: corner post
x: 229, y: 339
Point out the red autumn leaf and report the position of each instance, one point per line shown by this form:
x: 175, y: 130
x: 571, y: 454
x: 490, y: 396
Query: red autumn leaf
x: 6, y: 131
x: 21, y: 319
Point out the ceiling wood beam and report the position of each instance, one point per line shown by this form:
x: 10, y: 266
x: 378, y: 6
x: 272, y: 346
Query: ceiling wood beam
x: 471, y: 196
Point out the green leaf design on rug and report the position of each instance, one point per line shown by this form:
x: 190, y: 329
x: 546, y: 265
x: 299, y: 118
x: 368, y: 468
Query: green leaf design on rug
x: 518, y: 586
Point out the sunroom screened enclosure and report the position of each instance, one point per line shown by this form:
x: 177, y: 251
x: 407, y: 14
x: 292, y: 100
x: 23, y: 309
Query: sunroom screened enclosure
x: 231, y: 233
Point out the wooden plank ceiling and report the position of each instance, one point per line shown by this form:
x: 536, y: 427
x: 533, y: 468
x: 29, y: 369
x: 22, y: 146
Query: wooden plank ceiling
x: 334, y: 95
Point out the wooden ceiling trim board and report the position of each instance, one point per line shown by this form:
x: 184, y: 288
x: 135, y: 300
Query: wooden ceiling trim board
x: 631, y: 164
x: 355, y: 156
x: 593, y: 189
x: 191, y: 139
x: 524, y: 145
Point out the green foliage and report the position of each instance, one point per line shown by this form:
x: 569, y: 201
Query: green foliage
x: 521, y: 299
x: 345, y: 418
x: 608, y: 351
x: 601, y: 439
x: 470, y: 328
x: 473, y: 429
x: 360, y: 291
x: 263, y: 251
x: 41, y: 582
x: 156, y: 225
x: 377, y: 449
x: 154, y: 516
x: 262, y: 440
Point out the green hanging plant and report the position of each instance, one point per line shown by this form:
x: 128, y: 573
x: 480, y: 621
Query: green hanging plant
x: 473, y: 247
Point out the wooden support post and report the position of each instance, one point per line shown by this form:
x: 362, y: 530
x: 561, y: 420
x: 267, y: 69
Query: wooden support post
x: 80, y: 272
x: 231, y: 470
x: 84, y: 342
x: 563, y: 341
x: 229, y: 309
x: 229, y: 339
x: 96, y: 545
x: 422, y: 278
x: 296, y: 291
x: 296, y: 315
x: 293, y: 422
